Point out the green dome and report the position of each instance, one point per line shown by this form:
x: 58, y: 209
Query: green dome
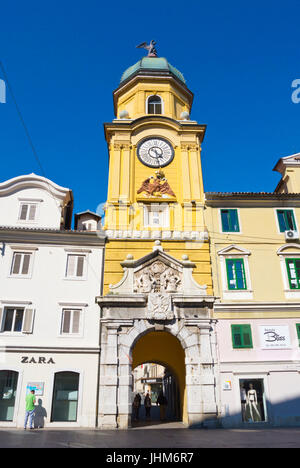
x: 154, y: 65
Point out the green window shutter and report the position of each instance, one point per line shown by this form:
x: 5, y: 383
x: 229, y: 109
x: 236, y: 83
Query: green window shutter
x: 298, y: 332
x: 241, y: 336
x: 230, y: 220
x: 293, y: 270
x: 236, y: 278
x: 286, y: 220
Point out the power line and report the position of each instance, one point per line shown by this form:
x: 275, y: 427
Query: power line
x: 26, y: 130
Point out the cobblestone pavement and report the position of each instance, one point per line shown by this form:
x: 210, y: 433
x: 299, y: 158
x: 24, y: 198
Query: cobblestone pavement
x: 169, y: 436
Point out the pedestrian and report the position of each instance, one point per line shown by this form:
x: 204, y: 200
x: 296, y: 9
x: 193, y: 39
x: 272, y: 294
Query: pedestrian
x: 147, y: 404
x: 136, y: 406
x: 30, y: 402
x: 162, y: 402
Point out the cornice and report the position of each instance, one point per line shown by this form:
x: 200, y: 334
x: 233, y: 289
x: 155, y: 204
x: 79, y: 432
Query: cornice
x: 146, y: 120
x: 52, y: 237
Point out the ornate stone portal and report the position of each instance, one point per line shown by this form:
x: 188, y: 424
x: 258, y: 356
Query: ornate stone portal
x: 157, y: 293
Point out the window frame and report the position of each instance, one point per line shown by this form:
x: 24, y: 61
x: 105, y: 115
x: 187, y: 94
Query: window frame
x: 292, y: 210
x: 80, y: 322
x: 238, y: 221
x: 243, y: 327
x: 161, y: 103
x: 162, y: 208
x: 84, y: 266
x: 234, y: 260
x: 30, y: 202
x: 289, y: 273
x: 22, y: 252
x: 27, y: 323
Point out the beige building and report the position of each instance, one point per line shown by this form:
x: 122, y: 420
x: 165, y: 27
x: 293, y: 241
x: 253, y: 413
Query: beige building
x: 255, y: 256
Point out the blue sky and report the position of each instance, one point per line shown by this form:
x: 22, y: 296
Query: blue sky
x: 64, y: 59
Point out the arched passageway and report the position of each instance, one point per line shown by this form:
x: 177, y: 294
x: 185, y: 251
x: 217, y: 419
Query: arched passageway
x: 163, y: 348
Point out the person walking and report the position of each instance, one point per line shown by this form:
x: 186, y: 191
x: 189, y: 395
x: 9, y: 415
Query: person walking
x: 136, y: 406
x: 162, y: 402
x: 30, y: 402
x: 147, y: 404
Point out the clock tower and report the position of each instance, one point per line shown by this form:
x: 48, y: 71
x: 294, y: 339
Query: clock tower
x: 155, y: 189
x: 157, y: 301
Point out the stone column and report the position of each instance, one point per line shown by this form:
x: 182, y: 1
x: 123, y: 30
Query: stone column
x: 108, y: 377
x: 208, y: 363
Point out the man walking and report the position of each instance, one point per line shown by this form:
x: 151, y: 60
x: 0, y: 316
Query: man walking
x: 30, y: 402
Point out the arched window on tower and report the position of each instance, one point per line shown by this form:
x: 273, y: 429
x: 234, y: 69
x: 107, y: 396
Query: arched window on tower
x: 154, y: 105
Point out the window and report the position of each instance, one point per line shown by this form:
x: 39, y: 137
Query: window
x: 21, y: 264
x: 16, y: 320
x: 13, y: 320
x: 154, y: 105
x: 253, y: 400
x: 65, y: 397
x: 293, y: 269
x: 156, y: 215
x: 8, y: 390
x: 28, y: 211
x: 241, y: 336
x: 75, y: 266
x: 286, y: 220
x: 71, y: 320
x: 298, y: 332
x: 236, y: 278
x: 230, y: 222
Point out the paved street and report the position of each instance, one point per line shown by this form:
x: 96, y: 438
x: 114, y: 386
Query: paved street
x: 172, y: 435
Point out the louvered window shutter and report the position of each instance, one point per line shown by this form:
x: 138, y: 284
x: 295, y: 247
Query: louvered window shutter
x: 26, y: 263
x: 76, y: 321
x: 71, y: 265
x: 32, y: 212
x: 23, y: 212
x: 28, y: 321
x: 80, y: 263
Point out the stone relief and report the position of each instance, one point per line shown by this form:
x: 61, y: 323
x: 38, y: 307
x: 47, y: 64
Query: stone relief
x: 159, y: 307
x: 158, y: 278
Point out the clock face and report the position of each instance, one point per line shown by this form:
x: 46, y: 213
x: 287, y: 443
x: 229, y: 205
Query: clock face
x: 155, y: 152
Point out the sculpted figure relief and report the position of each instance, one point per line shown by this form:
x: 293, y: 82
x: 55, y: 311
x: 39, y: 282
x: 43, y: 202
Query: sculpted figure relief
x: 157, y: 278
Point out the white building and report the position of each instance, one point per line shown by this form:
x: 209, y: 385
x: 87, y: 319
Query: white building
x: 49, y: 321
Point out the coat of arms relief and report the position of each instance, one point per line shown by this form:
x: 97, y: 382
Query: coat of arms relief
x: 158, y: 280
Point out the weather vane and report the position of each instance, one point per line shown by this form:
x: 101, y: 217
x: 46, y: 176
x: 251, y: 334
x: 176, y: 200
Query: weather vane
x: 150, y: 47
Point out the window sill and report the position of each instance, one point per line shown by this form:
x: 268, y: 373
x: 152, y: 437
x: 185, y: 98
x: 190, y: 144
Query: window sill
x: 238, y: 294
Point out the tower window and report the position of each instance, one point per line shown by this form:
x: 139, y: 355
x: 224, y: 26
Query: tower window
x: 154, y: 105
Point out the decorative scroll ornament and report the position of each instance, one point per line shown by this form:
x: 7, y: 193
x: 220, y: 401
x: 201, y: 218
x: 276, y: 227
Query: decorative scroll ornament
x: 151, y: 48
x: 156, y: 186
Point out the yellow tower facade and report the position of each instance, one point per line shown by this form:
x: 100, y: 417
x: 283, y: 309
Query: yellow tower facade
x: 155, y: 189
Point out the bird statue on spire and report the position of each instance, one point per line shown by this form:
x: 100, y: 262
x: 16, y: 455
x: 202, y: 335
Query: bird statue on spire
x: 150, y: 47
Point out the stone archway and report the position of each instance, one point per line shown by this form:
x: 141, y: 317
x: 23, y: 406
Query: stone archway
x: 157, y: 295
x: 163, y: 348
x: 119, y: 338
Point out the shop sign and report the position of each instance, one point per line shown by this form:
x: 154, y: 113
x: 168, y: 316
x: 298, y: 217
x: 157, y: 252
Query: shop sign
x: 275, y: 337
x: 38, y: 388
x: 38, y: 360
x: 227, y: 385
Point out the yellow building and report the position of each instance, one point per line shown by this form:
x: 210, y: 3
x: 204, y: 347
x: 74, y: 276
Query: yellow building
x: 255, y: 256
x: 157, y: 301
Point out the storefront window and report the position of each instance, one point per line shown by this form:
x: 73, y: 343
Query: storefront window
x: 253, y: 400
x: 8, y: 389
x: 65, y: 397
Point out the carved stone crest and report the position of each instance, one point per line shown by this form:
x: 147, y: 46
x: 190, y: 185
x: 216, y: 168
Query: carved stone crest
x: 159, y: 307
